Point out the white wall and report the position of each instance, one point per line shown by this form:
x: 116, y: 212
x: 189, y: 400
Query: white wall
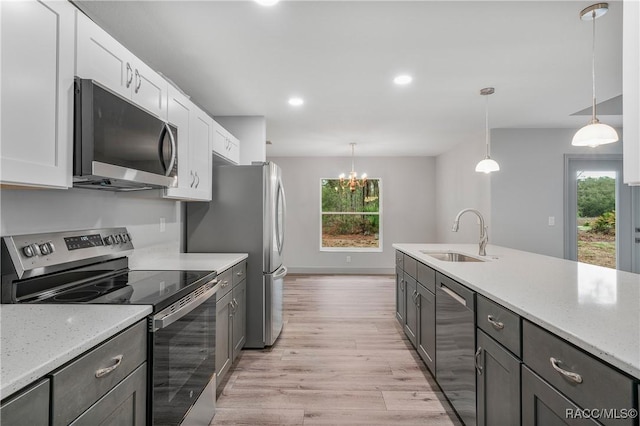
x: 408, y: 193
x: 459, y: 186
x: 32, y: 211
x: 530, y: 187
x: 252, y: 133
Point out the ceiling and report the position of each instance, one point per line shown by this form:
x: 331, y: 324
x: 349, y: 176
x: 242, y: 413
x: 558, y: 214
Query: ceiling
x: 240, y: 58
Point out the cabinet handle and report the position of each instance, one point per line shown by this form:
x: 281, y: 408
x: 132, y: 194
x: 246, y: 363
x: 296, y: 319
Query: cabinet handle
x: 197, y: 180
x: 402, y: 286
x: 418, y: 300
x: 239, y: 273
x: 193, y: 178
x: 138, y: 81
x: 496, y: 324
x: 129, y: 75
x: 224, y: 284
x: 568, y: 374
x: 414, y: 296
x: 478, y: 365
x: 104, y: 371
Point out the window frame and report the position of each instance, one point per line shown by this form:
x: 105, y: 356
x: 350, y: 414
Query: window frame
x: 378, y: 249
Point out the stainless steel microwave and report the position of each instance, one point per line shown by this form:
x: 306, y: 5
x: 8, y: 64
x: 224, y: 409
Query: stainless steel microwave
x: 119, y: 146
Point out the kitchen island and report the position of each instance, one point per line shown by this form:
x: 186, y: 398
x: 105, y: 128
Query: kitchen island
x: 516, y: 338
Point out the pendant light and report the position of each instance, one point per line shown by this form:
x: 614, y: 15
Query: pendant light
x: 594, y: 133
x: 487, y: 165
x: 353, y: 182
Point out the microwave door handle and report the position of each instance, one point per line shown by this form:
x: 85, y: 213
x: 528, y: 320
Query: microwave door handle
x: 174, y: 151
x: 163, y: 132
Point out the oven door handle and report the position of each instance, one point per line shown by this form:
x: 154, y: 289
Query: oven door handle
x: 162, y: 320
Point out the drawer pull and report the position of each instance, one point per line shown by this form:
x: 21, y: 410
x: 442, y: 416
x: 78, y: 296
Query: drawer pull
x: 496, y: 324
x: 477, y: 359
x: 104, y: 371
x: 568, y: 374
x: 224, y: 284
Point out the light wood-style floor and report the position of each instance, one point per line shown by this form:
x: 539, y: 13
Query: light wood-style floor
x: 342, y: 358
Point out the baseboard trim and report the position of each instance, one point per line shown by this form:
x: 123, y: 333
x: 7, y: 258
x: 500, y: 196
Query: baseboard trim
x: 332, y: 271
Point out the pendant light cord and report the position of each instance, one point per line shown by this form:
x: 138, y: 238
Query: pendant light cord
x: 593, y: 68
x: 486, y: 123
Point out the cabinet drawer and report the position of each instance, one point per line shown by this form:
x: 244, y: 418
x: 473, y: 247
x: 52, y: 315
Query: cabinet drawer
x: 399, y: 258
x: 76, y: 387
x: 226, y: 282
x: 29, y: 407
x: 601, y: 386
x: 239, y: 272
x: 427, y: 277
x: 499, y: 323
x: 410, y: 266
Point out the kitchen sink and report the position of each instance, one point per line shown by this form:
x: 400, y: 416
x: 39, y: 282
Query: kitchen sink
x: 451, y: 256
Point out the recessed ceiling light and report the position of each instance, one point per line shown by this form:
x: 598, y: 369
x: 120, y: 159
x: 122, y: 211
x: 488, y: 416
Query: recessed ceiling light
x: 267, y: 2
x: 402, y: 80
x: 296, y: 101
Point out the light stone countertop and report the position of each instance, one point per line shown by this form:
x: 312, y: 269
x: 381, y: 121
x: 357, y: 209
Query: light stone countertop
x: 218, y: 262
x: 37, y: 339
x: 595, y: 308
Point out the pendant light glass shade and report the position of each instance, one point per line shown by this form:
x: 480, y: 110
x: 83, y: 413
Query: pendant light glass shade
x: 487, y: 165
x: 595, y: 133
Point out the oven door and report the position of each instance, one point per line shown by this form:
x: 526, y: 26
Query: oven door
x: 183, y: 361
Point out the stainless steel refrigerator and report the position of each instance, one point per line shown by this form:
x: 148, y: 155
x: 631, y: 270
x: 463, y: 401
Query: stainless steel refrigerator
x: 247, y: 215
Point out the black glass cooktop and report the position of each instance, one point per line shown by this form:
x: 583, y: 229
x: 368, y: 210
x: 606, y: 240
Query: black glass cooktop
x: 157, y: 288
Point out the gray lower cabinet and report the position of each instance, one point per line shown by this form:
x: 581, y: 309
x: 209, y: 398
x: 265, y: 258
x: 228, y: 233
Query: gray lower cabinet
x: 543, y: 405
x: 29, y: 408
x: 400, y: 300
x: 96, y: 376
x: 223, y: 337
x: 231, y: 318
x: 239, y: 317
x: 411, y: 308
x: 125, y: 404
x: 426, y: 333
x: 498, y: 383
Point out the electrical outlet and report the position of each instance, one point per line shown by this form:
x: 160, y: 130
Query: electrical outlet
x: 552, y: 220
x: 163, y: 224
x: 348, y: 259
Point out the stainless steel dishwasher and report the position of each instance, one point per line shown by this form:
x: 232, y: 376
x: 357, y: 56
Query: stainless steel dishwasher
x: 455, y: 346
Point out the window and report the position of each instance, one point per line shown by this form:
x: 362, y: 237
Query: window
x: 350, y: 221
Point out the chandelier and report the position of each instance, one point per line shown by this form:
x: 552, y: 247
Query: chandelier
x: 352, y: 182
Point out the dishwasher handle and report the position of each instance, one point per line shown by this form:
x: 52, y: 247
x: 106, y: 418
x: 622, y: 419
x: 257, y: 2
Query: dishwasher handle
x: 454, y: 295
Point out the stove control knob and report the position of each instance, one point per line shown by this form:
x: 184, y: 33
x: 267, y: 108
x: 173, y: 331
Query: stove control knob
x: 123, y: 237
x: 128, y: 236
x: 117, y: 238
x: 45, y: 249
x: 52, y: 248
x: 28, y: 251
x: 108, y: 240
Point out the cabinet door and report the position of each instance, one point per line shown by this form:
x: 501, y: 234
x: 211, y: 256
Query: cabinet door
x: 498, y: 378
x: 225, y: 145
x: 149, y: 89
x: 125, y: 404
x: 233, y: 150
x: 223, y: 336
x: 411, y: 319
x: 200, y: 153
x: 400, y: 300
x: 239, y: 317
x: 543, y: 405
x: 101, y: 58
x: 37, y: 51
x: 30, y: 407
x: 426, y: 333
x: 631, y: 91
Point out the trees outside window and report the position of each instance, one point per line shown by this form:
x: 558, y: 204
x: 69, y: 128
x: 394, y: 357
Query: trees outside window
x: 350, y: 220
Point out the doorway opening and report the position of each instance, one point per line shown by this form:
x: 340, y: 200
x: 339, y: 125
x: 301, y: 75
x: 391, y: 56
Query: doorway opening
x: 598, y: 212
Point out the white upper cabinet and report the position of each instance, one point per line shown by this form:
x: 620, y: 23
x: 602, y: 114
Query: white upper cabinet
x: 37, y: 48
x: 101, y: 58
x: 225, y: 145
x: 631, y: 91
x: 194, y: 133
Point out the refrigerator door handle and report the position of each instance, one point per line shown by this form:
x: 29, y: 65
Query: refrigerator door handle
x: 280, y: 238
x: 280, y: 273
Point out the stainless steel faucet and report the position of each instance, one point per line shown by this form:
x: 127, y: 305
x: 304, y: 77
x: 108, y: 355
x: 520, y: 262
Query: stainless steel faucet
x: 484, y: 236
